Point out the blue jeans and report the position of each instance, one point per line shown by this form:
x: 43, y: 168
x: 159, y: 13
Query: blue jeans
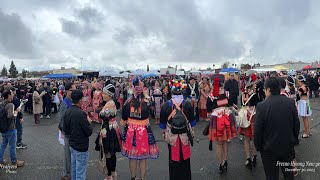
x: 79, y: 162
x: 11, y: 138
x: 19, y: 130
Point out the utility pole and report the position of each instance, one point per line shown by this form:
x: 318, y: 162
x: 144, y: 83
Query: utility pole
x: 81, y: 63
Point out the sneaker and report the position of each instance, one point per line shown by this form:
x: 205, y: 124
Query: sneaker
x: 18, y: 163
x: 41, y: 117
x: 21, y: 146
x: 48, y: 117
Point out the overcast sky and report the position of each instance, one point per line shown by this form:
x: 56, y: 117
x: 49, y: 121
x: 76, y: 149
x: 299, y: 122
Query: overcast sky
x: 128, y: 34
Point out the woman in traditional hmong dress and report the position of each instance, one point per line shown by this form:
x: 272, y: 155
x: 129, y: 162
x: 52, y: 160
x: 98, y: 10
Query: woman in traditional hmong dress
x: 97, y: 102
x: 157, y: 98
x: 109, y: 136
x: 86, y: 101
x: 204, y: 94
x: 128, y: 91
x: 249, y: 100
x: 139, y: 142
x: 178, y: 144
x: 304, y: 108
x: 222, y: 127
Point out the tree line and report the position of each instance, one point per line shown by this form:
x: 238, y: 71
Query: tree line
x: 13, y: 72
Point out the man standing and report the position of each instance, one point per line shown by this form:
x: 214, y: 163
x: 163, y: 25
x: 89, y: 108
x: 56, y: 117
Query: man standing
x: 9, y: 135
x: 46, y: 101
x: 193, y: 94
x: 66, y: 104
x: 19, y: 119
x: 276, y: 131
x: 232, y: 87
x: 78, y: 128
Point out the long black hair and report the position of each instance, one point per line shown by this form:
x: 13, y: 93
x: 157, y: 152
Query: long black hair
x: 136, y: 102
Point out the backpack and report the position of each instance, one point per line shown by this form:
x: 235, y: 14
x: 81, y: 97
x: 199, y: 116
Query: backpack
x: 4, y: 123
x: 177, y: 119
x: 242, y: 118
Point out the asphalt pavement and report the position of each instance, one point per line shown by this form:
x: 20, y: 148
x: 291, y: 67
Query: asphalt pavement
x: 44, y: 155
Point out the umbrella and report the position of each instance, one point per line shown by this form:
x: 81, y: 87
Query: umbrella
x: 307, y: 67
x: 229, y: 70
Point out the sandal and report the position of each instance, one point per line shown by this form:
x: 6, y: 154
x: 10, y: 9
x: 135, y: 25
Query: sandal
x: 305, y: 135
x: 309, y: 133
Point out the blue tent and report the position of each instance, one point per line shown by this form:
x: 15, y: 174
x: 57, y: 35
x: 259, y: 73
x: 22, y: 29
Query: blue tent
x: 230, y: 70
x: 59, y: 76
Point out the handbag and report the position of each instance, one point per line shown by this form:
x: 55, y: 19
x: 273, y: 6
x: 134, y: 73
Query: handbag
x: 206, y: 129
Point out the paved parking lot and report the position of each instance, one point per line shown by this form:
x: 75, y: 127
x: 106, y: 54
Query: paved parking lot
x: 44, y: 155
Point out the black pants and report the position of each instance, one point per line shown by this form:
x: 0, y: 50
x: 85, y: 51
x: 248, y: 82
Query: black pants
x: 271, y: 164
x: 55, y: 108
x: 111, y: 164
x: 233, y: 100
x: 19, y: 130
x: 46, y: 109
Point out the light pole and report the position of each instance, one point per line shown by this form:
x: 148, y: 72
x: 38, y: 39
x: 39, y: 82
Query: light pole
x: 81, y: 63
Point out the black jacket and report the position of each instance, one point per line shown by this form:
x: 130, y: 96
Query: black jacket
x: 233, y: 87
x: 77, y: 127
x: 17, y: 103
x: 196, y: 91
x: 276, y: 127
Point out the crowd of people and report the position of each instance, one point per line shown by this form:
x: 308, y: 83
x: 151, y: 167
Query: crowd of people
x: 261, y: 108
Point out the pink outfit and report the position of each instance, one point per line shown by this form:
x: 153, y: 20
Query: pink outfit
x: 96, y: 104
x: 86, y: 102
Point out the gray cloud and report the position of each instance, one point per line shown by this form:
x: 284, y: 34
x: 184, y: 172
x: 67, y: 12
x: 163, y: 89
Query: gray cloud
x: 16, y: 39
x: 87, y: 24
x: 187, y: 35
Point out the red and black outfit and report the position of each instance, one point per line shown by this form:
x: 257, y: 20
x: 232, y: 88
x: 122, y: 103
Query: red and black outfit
x: 138, y: 140
x: 222, y: 122
x: 178, y: 144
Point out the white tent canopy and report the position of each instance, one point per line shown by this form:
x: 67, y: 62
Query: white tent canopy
x: 180, y: 73
x: 125, y: 74
x: 207, y: 72
x: 138, y: 72
x: 195, y: 72
x: 265, y: 70
x: 109, y: 73
x: 153, y: 72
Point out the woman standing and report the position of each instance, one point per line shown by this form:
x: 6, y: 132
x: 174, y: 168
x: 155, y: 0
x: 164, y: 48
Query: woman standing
x: 97, y: 102
x: 204, y: 94
x: 249, y: 101
x: 37, y: 103
x: 139, y: 143
x: 157, y: 98
x: 304, y: 108
x: 222, y: 127
x: 128, y: 91
x: 179, y: 138
x: 86, y: 101
x: 110, y: 136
